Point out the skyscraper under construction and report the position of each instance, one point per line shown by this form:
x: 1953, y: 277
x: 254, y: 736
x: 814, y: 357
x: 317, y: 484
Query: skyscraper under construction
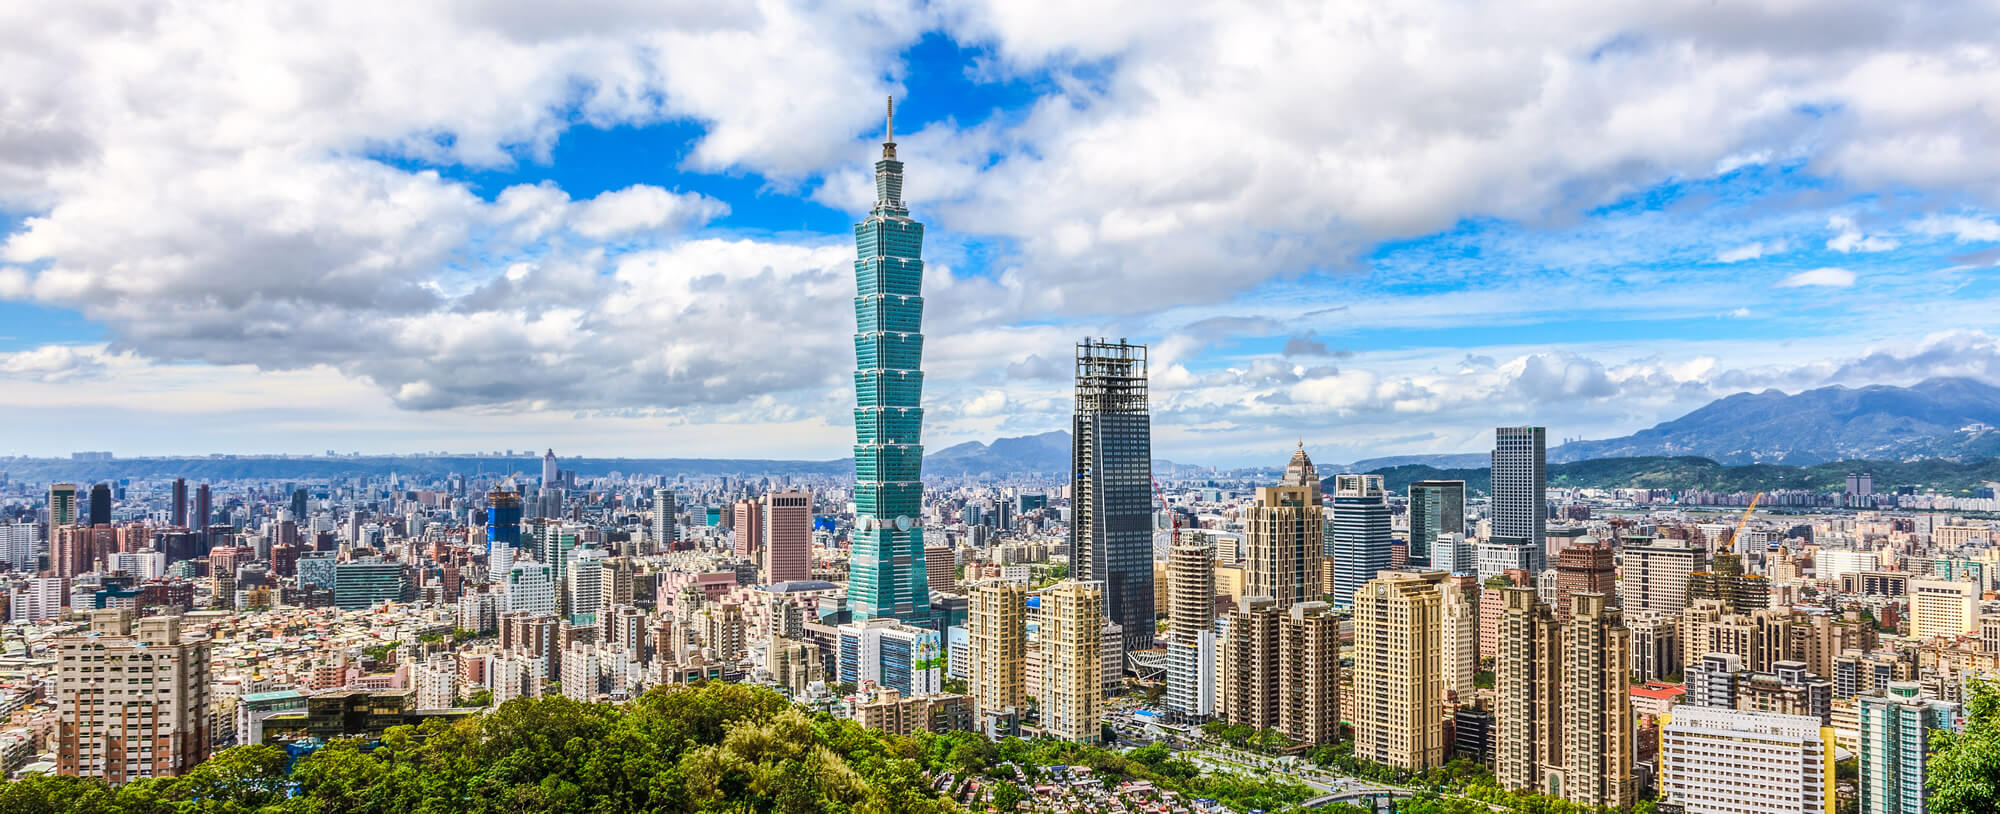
x: 1111, y: 537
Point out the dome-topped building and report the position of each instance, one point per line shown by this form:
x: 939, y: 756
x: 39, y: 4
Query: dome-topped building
x: 1300, y: 472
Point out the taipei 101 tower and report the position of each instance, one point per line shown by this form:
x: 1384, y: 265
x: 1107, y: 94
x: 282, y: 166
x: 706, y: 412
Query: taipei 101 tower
x: 886, y: 576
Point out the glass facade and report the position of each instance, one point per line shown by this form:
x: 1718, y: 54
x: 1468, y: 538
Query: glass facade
x: 1111, y: 537
x: 887, y: 576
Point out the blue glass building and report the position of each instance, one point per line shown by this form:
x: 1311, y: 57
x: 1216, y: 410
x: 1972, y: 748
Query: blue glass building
x: 886, y: 576
x: 503, y: 527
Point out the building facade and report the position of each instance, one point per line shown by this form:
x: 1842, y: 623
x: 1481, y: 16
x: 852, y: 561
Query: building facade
x: 132, y: 701
x: 1520, y: 489
x: 1360, y: 541
x: 1436, y: 507
x: 1072, y: 697
x: 997, y: 647
x: 1282, y: 537
x: 788, y: 536
x: 886, y: 576
x: 1398, y: 681
x: 1724, y: 761
x: 1111, y: 494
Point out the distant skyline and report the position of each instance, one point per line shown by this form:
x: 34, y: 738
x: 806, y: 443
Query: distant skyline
x: 625, y: 228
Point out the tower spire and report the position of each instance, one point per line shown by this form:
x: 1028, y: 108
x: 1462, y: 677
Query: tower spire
x: 892, y: 121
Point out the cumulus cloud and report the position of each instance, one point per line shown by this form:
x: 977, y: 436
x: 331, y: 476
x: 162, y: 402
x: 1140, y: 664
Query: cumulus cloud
x: 53, y: 363
x: 1848, y: 237
x: 1824, y: 277
x: 243, y: 184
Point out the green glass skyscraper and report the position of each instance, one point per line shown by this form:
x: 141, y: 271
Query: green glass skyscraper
x: 886, y: 575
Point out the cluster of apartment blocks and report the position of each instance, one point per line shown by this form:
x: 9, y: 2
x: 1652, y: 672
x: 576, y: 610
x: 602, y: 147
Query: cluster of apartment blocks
x: 1564, y: 641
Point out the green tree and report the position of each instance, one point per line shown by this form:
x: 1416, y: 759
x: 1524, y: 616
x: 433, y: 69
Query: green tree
x: 1964, y: 767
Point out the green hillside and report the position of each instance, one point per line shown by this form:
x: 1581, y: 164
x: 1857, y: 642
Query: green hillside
x: 1692, y: 473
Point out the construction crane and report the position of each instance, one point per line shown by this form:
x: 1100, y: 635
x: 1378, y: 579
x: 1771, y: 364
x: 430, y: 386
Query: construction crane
x: 1172, y: 515
x: 1736, y: 537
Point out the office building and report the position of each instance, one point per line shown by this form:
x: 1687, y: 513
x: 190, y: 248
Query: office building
x: 551, y: 473
x: 1191, y: 641
x: 100, y: 505
x: 997, y: 648
x: 886, y: 575
x: 1595, y: 711
x: 1436, y: 507
x: 1282, y: 535
x: 1520, y: 490
x: 1715, y: 760
x: 1072, y: 695
x: 890, y: 654
x: 788, y: 536
x: 131, y: 702
x: 204, y: 507
x: 1454, y: 554
x: 1360, y: 542
x: 1656, y: 574
x: 62, y: 504
x: 1943, y: 608
x: 503, y: 528
x: 1111, y: 533
x: 178, y: 516
x: 1398, y: 681
x: 666, y: 523
x: 1895, y: 741
x: 747, y: 528
x: 362, y: 583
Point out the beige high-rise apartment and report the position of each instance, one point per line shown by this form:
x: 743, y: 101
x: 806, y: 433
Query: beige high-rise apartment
x: 1596, y: 711
x: 1398, y: 681
x: 1527, y: 684
x: 1252, y: 665
x: 1072, y: 623
x: 1309, y: 689
x: 131, y: 704
x: 1460, y: 652
x: 1190, y: 642
x: 1284, y: 535
x: 997, y: 632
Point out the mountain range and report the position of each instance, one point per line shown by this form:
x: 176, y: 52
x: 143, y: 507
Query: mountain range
x: 1952, y: 418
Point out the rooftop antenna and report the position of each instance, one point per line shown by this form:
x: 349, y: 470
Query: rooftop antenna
x: 892, y: 120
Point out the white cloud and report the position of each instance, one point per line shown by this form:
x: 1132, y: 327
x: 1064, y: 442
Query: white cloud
x: 1962, y: 228
x: 1750, y: 251
x: 202, y: 181
x: 1826, y: 277
x: 1848, y: 237
x: 643, y: 208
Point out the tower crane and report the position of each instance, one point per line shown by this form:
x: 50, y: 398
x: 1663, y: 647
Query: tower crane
x: 1736, y: 537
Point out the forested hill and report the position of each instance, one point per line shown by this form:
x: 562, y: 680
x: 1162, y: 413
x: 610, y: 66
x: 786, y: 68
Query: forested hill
x: 1692, y: 473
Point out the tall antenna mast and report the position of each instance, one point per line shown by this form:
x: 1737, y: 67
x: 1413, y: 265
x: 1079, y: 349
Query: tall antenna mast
x: 892, y: 120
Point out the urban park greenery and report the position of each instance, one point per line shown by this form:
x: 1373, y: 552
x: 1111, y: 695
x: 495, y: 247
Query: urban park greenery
x: 1964, y: 768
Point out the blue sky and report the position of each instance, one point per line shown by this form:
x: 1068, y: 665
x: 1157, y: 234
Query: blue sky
x: 625, y: 228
